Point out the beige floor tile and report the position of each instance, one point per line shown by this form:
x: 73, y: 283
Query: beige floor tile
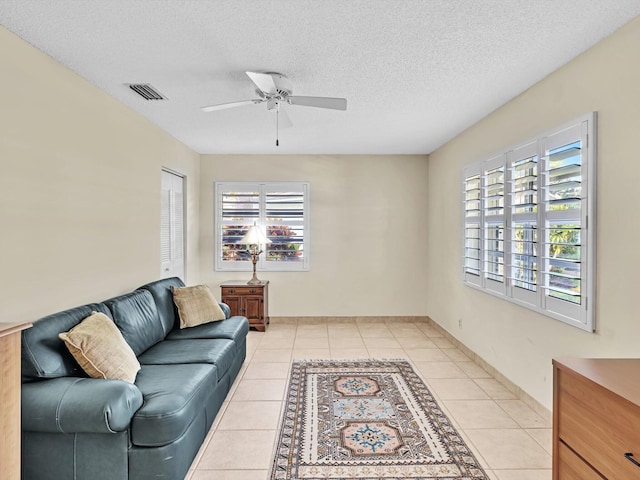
x: 267, y: 370
x: 260, y: 390
x: 374, y: 331
x: 273, y: 332
x: 270, y: 343
x: 349, y: 353
x: 473, y: 370
x: 456, y: 355
x: 442, y: 342
x: 418, y: 341
x: 272, y: 355
x: 251, y: 415
x: 429, y: 331
x: 345, y: 329
x: 311, y: 354
x: 509, y: 449
x: 491, y: 474
x: 239, y: 450
x: 523, y: 414
x: 427, y: 355
x: 311, y: 331
x: 311, y: 342
x: 544, y: 436
x: 479, y: 414
x: 387, y: 353
x: 457, y: 389
x: 495, y: 389
x: 230, y: 475
x: 381, y: 342
x: 473, y: 448
x: 404, y: 330
x: 346, y: 342
x: 439, y: 370
x: 523, y: 474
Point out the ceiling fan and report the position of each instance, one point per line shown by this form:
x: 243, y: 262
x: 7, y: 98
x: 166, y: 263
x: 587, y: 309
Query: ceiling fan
x: 275, y: 88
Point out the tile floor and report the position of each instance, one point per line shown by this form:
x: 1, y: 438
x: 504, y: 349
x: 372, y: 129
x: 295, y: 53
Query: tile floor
x: 511, y: 441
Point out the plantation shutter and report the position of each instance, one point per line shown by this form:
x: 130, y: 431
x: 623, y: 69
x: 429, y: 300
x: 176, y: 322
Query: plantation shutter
x: 493, y: 209
x: 171, y: 225
x: 523, y: 230
x: 564, y: 216
x: 285, y: 222
x: 239, y: 208
x: 472, y: 226
x: 280, y: 208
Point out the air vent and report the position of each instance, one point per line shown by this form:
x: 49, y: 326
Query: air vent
x: 146, y: 91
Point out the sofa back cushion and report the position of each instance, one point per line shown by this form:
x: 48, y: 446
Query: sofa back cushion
x: 44, y: 355
x: 161, y: 292
x: 136, y: 315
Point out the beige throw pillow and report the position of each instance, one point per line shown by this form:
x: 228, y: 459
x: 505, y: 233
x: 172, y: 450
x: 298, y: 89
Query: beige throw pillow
x: 196, y: 305
x: 100, y: 349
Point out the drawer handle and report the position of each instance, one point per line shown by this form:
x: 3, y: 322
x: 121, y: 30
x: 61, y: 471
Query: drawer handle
x: 629, y: 456
x: 253, y: 290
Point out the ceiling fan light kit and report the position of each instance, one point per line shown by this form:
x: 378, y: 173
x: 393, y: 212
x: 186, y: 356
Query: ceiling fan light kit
x: 274, y: 89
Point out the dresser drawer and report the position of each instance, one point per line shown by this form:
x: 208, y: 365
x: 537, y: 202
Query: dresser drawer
x: 598, y: 425
x: 242, y: 290
x: 572, y: 467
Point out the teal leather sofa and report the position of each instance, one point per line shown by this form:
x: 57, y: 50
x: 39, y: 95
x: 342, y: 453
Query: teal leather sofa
x: 75, y: 427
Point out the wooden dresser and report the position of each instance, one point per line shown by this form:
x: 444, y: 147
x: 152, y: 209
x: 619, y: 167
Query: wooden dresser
x: 10, y: 399
x: 596, y: 419
x: 251, y: 301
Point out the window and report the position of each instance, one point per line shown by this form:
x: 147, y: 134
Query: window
x: 281, y: 209
x: 529, y: 224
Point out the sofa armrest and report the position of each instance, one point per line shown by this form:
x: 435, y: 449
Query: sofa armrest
x: 74, y: 405
x: 225, y: 308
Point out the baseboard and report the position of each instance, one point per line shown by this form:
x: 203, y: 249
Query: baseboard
x: 504, y: 381
x: 495, y: 373
x: 336, y: 319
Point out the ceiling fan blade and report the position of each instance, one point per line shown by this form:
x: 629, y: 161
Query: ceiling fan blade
x: 320, y: 102
x: 223, y: 106
x: 264, y: 82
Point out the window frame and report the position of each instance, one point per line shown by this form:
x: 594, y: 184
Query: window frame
x: 580, y: 314
x: 262, y: 188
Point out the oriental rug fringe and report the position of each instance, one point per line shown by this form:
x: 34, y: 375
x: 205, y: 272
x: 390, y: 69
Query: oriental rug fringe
x: 366, y: 420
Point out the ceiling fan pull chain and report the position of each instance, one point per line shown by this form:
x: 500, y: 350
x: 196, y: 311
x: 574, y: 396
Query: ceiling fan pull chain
x: 277, y: 124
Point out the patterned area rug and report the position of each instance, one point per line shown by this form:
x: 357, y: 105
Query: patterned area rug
x: 366, y: 420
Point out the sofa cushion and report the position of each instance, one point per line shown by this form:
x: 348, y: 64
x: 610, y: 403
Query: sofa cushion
x: 234, y: 328
x: 196, y: 306
x: 44, y: 355
x: 216, y: 351
x: 136, y: 316
x: 99, y: 348
x: 174, y: 395
x: 161, y: 292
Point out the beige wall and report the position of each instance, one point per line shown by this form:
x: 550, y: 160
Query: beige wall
x: 517, y: 341
x: 368, y: 232
x: 79, y: 189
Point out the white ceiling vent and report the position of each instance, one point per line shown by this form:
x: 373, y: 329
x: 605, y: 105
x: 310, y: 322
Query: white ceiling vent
x: 146, y: 91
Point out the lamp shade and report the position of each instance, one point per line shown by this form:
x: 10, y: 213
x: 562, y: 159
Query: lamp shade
x: 254, y: 236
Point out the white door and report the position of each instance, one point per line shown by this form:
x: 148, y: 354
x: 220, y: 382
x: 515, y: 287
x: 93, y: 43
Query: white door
x: 172, y: 226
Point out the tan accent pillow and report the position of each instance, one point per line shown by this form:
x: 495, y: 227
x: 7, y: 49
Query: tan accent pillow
x: 196, y: 305
x: 100, y: 349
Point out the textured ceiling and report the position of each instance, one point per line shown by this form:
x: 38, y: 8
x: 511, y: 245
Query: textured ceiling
x: 415, y: 72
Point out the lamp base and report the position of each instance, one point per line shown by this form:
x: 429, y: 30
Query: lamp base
x: 254, y: 280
